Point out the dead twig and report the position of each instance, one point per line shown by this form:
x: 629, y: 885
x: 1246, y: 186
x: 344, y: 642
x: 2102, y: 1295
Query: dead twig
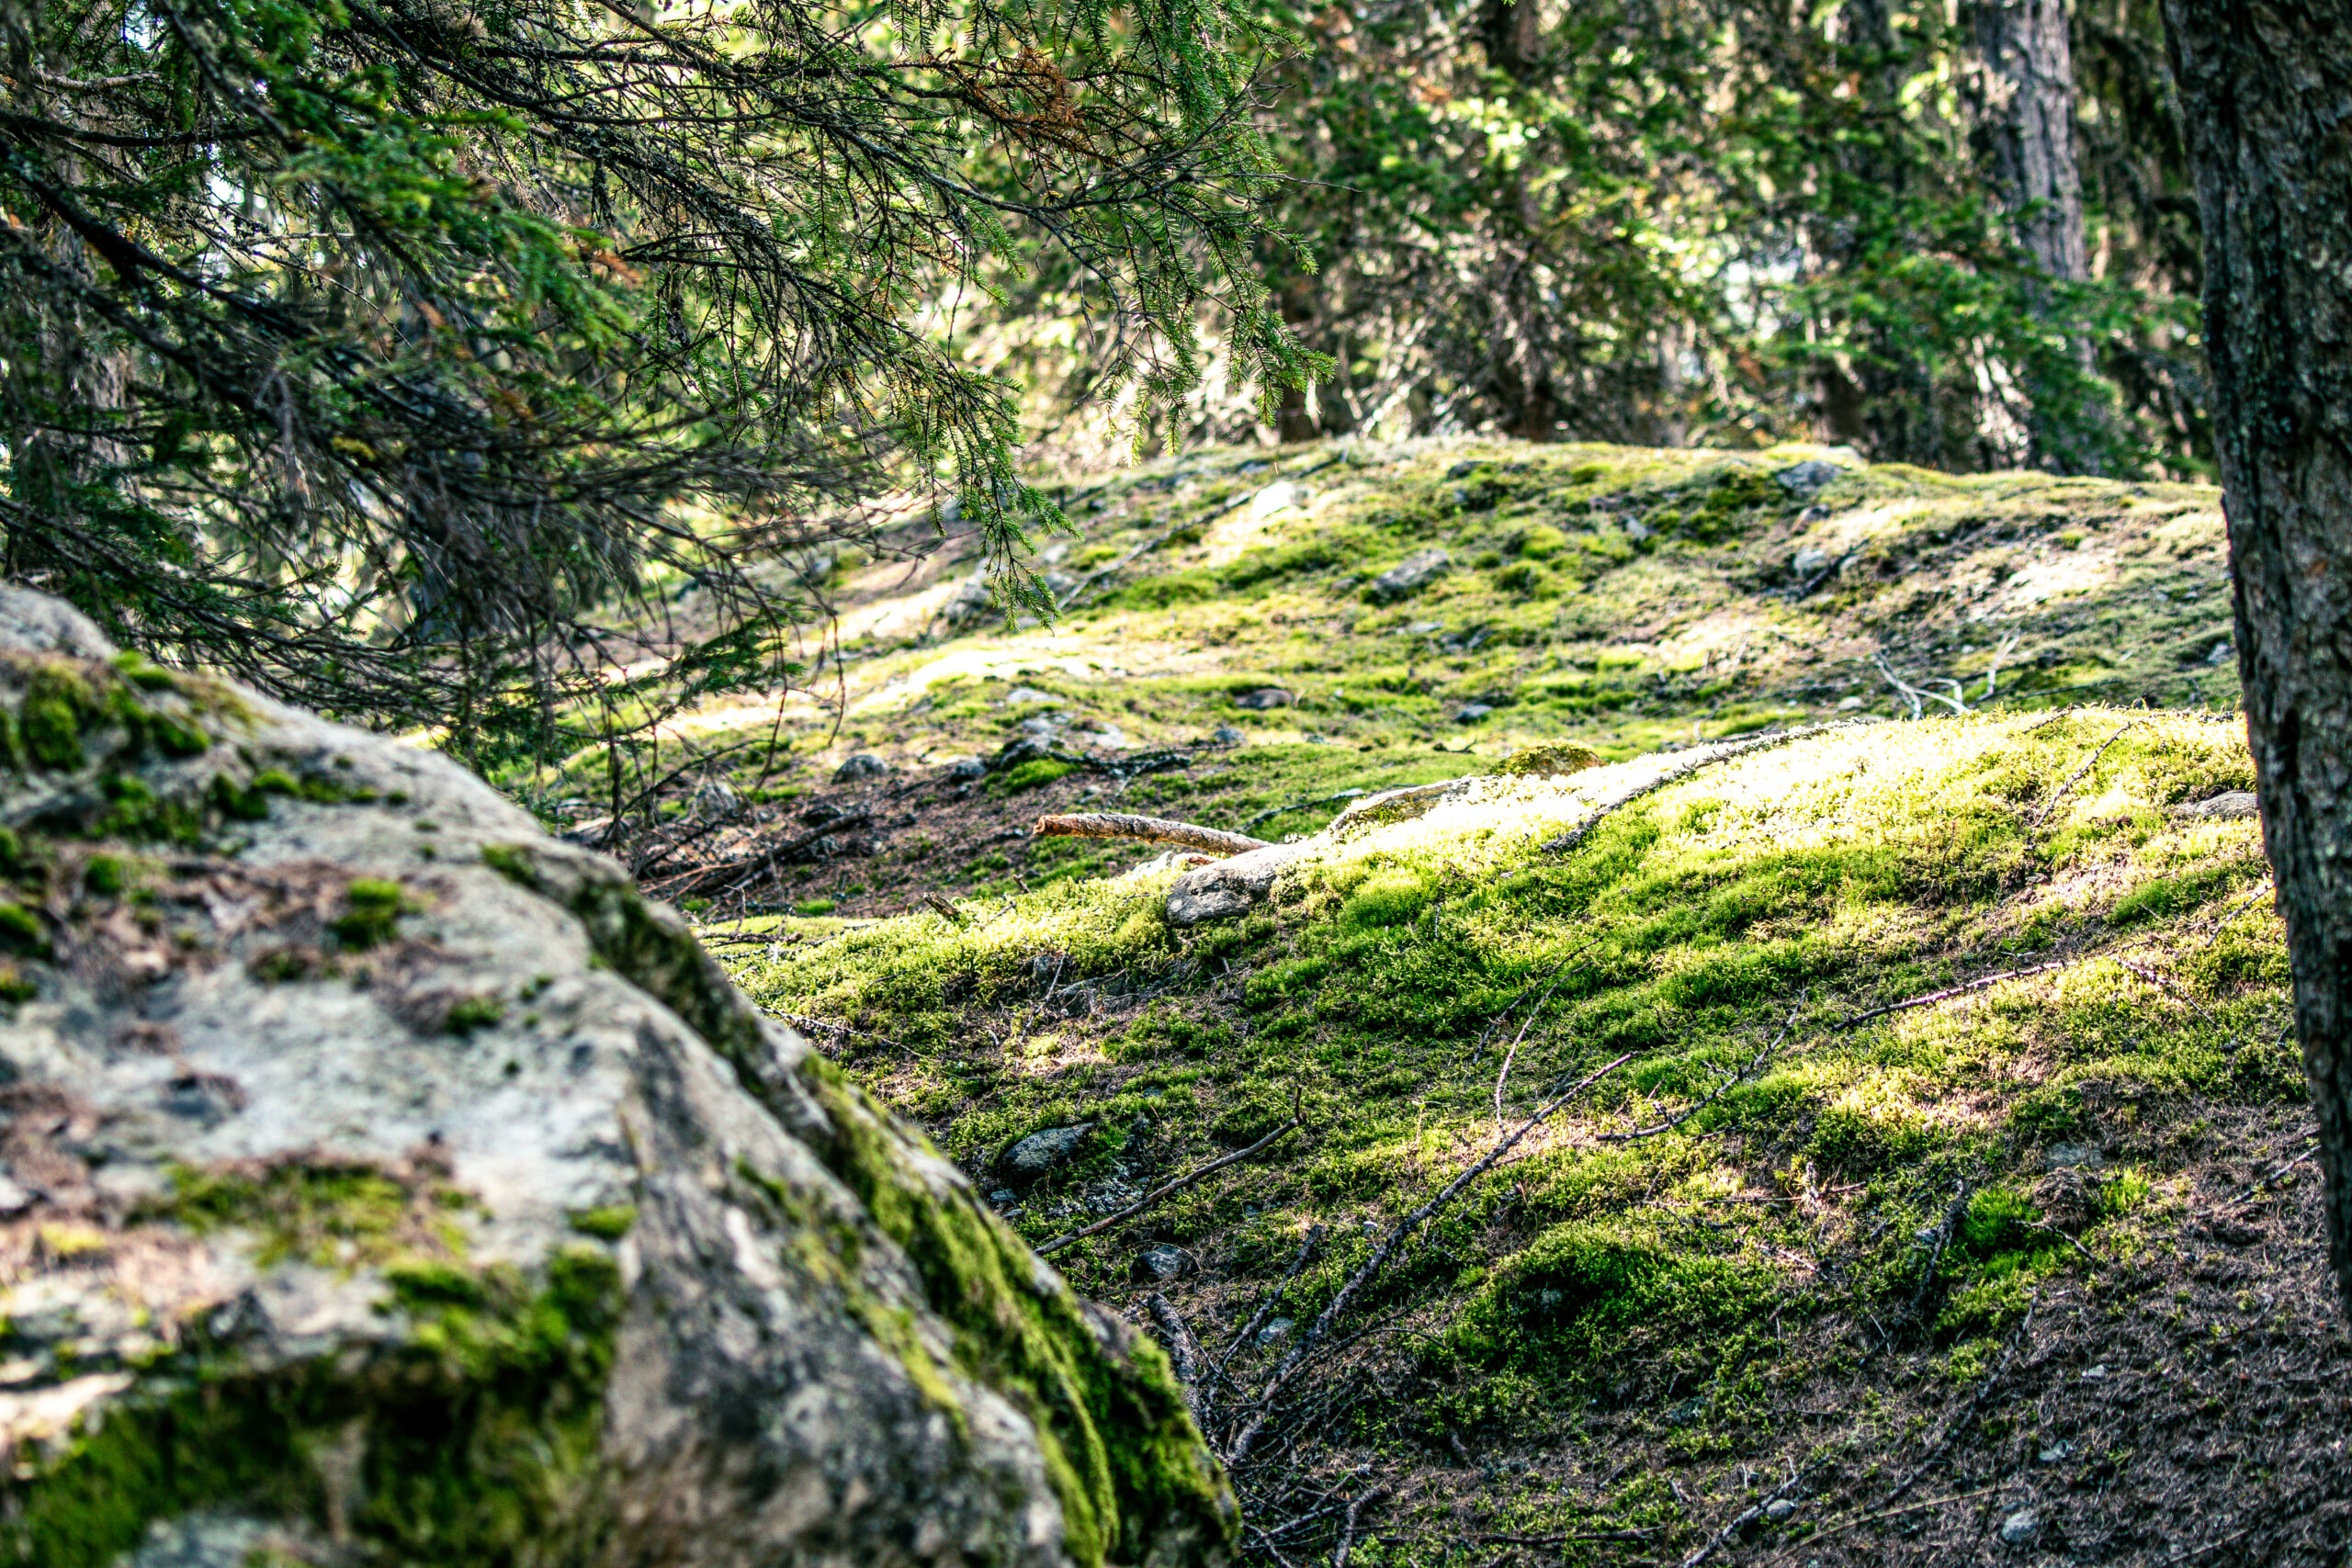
x: 1746, y: 1518
x: 1738, y: 1078
x: 2051, y: 804
x: 1497, y: 1020
x: 2262, y: 1182
x: 1952, y: 1216
x: 1148, y: 1198
x: 1258, y: 1320
x: 1508, y: 1056
x: 1151, y: 829
x: 1960, y: 991
x: 1321, y: 1327
x: 1348, y: 1531
x: 1907, y: 1508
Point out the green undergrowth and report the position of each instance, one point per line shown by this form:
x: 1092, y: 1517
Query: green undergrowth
x: 1722, y: 934
x: 1625, y: 598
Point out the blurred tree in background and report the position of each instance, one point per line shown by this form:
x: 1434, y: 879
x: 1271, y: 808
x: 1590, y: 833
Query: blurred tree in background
x: 1960, y: 236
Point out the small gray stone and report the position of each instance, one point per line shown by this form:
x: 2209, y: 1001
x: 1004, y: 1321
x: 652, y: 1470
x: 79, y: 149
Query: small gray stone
x: 1809, y: 478
x: 860, y: 765
x: 1001, y: 1196
x: 1218, y: 901
x: 2055, y: 1453
x: 1276, y: 1330
x: 1038, y: 1153
x: 2220, y: 651
x: 1265, y: 697
x: 1164, y: 1262
x: 1688, y: 1412
x: 2059, y: 1156
x: 1409, y: 575
x: 1636, y: 529
x: 1225, y: 735
x: 1031, y: 694
x: 13, y: 1199
x: 1471, y: 713
x: 2229, y: 805
x: 1779, y: 1509
x: 1812, y: 561
x: 2022, y: 1527
x: 967, y: 768
x: 1847, y: 705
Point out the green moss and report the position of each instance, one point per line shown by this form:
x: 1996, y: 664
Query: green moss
x: 608, y: 1223
x: 52, y: 722
x: 333, y: 1215
x: 137, y: 669
x: 477, y: 1442
x: 1030, y: 774
x: 105, y: 875
x: 469, y: 1013
x: 1121, y: 1451
x: 21, y: 930
x: 372, y: 915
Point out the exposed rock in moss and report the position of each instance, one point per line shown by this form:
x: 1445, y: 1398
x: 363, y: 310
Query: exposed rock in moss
x: 457, y: 1209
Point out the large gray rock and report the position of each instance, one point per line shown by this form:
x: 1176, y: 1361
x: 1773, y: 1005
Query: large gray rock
x: 390, y: 1182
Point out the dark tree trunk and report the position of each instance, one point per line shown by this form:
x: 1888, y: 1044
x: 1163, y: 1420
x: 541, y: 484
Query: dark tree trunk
x: 2024, y: 109
x: 2266, y: 91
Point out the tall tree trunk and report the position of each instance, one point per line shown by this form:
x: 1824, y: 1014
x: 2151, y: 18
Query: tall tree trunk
x: 2264, y: 88
x: 2021, y: 99
x: 2024, y: 108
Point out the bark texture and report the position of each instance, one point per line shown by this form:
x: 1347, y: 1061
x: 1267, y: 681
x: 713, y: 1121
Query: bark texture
x: 2266, y: 91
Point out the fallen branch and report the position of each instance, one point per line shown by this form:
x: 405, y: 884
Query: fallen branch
x: 1948, y: 992
x: 1266, y: 1310
x: 1148, y: 1198
x: 1675, y: 775
x: 1331, y: 1314
x: 1301, y: 804
x: 1737, y: 1078
x: 2051, y: 804
x: 1746, y: 1518
x: 1907, y: 1508
x: 1151, y: 829
x: 1183, y: 1351
x: 1348, y: 1531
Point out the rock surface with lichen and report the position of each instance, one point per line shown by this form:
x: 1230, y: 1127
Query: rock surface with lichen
x: 381, y: 1180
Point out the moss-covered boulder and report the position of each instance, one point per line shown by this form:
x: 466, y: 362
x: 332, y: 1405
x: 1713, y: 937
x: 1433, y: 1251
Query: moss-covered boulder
x: 382, y: 1181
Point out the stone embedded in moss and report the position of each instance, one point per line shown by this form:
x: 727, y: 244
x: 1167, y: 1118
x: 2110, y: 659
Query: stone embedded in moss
x: 1551, y: 757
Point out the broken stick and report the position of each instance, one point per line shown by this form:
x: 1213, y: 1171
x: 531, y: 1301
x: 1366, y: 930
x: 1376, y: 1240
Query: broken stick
x: 1152, y: 830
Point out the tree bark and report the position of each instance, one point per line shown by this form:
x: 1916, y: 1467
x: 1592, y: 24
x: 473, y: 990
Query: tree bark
x: 2266, y: 91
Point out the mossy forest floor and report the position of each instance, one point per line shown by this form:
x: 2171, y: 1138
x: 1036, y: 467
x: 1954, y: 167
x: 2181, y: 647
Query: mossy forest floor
x: 2028, y: 1273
